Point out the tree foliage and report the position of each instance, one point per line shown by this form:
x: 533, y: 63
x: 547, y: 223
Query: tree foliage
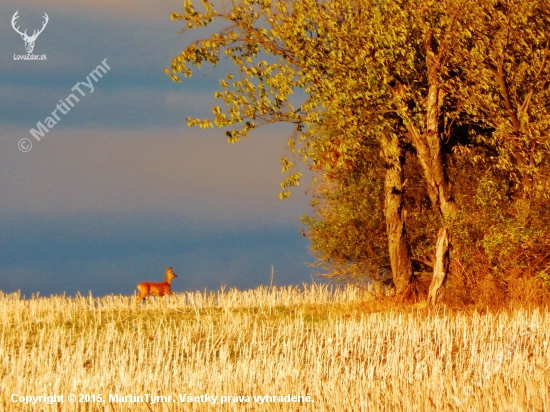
x: 417, y: 114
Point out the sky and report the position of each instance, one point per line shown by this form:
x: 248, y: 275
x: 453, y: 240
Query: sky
x: 119, y: 188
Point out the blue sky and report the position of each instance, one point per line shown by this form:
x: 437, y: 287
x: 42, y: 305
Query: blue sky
x: 121, y: 188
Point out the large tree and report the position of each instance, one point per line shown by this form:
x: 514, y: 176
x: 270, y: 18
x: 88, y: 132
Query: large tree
x: 387, y: 74
x: 310, y: 41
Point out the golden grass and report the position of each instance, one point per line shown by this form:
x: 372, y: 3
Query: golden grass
x: 325, y: 343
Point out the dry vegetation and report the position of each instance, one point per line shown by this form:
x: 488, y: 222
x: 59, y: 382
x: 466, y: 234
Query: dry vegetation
x: 346, y: 352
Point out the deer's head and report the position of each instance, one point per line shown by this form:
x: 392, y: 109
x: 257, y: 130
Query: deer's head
x: 29, y: 40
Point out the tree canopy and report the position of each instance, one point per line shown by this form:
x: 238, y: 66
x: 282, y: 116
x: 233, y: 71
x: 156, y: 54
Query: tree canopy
x: 422, y: 118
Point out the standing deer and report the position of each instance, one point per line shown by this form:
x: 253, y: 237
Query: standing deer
x: 29, y: 40
x: 156, y: 289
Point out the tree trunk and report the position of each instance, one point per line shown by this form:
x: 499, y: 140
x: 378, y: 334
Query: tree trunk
x: 428, y: 147
x: 441, y: 266
x: 432, y: 160
x: 394, y: 210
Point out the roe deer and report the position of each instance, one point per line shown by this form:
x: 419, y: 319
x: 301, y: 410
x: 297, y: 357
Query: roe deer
x: 156, y: 289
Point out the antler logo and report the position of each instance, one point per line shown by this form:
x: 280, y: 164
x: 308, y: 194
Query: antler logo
x: 29, y: 40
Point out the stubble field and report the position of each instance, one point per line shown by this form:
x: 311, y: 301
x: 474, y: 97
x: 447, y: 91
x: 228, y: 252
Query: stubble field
x: 312, y: 348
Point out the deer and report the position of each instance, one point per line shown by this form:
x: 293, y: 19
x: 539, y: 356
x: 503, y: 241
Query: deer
x: 29, y: 40
x: 156, y: 289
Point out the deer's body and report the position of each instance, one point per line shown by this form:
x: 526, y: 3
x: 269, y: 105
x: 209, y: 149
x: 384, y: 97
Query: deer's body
x: 156, y: 289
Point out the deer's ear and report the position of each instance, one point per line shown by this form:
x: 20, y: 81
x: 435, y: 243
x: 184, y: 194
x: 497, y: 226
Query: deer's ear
x: 23, y: 36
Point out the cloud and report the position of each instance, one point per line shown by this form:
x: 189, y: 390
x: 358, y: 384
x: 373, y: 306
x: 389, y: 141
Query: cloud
x: 75, y: 43
x: 174, y: 169
x: 110, y: 253
x: 120, y: 188
x: 142, y: 9
x: 135, y: 93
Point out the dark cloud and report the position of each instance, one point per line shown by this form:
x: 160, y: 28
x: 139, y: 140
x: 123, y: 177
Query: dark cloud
x: 152, y: 169
x: 120, y: 188
x: 134, y: 93
x: 111, y: 253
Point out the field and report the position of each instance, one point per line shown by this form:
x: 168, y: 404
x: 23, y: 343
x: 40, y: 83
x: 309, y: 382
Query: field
x: 312, y: 348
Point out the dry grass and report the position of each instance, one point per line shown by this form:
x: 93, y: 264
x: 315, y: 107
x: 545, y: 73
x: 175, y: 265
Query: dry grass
x: 330, y: 344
